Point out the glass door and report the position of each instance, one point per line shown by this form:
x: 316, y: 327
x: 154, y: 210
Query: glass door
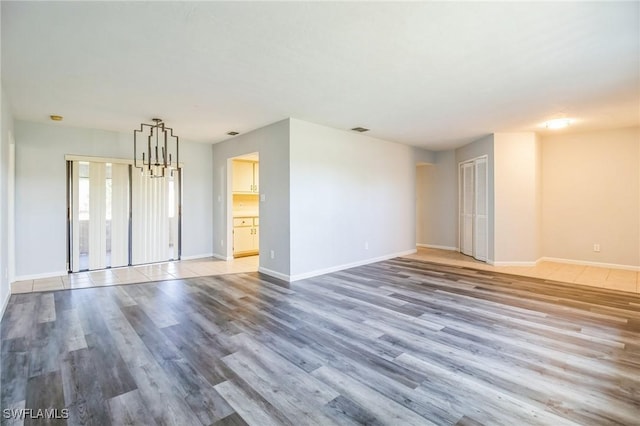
x: 99, y: 205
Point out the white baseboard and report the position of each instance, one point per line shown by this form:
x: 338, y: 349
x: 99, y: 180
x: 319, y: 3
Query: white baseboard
x: 5, y: 303
x: 513, y: 263
x: 349, y: 265
x: 197, y: 256
x: 588, y: 263
x: 40, y: 276
x: 274, y: 274
x: 438, y: 247
x: 221, y: 257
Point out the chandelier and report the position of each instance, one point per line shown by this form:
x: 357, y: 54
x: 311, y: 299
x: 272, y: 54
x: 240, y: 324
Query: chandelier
x: 157, y: 151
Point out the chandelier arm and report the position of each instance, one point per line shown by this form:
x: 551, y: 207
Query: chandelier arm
x: 157, y: 155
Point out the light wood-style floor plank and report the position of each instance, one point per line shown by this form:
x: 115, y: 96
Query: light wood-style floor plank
x: 403, y: 341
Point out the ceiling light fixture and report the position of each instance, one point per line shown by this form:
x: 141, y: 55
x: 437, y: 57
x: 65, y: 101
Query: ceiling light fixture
x: 360, y: 129
x: 56, y: 117
x: 558, y: 123
x: 233, y: 133
x: 161, y: 143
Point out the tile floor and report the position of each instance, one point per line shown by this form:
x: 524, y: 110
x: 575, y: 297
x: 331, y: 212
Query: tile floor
x: 139, y: 274
x: 615, y: 279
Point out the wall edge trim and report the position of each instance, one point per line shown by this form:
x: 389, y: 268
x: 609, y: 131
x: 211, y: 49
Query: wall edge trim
x: 274, y: 274
x: 350, y: 265
x: 5, y: 304
x: 435, y: 246
x: 589, y: 263
x: 198, y: 256
x: 40, y: 276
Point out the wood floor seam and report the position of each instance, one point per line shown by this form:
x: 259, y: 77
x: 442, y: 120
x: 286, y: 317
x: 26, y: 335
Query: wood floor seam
x: 402, y: 341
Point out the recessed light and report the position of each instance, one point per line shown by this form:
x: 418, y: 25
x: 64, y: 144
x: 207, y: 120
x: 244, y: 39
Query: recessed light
x: 233, y: 133
x: 56, y: 117
x: 558, y: 123
x: 360, y: 129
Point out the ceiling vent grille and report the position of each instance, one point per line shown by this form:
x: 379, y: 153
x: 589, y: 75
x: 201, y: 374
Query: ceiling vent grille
x: 360, y: 129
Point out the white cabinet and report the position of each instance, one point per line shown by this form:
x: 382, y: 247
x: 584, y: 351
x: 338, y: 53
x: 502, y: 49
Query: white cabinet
x: 246, y: 237
x: 245, y: 176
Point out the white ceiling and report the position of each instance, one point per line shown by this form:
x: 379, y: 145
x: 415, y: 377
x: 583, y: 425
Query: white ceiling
x: 435, y: 75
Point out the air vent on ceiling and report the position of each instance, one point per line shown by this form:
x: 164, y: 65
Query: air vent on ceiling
x: 360, y: 129
x: 232, y: 133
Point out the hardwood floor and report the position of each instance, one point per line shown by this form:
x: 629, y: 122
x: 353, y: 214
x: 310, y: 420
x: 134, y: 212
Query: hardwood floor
x: 400, y: 342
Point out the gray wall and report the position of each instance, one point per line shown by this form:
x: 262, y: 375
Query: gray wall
x: 352, y: 199
x: 272, y: 144
x: 437, y: 202
x: 424, y: 156
x: 41, y: 191
x: 6, y: 127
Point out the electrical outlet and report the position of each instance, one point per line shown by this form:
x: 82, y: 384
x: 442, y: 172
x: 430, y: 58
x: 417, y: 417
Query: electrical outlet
x: 596, y: 247
x: 273, y: 254
x: 221, y: 243
x: 263, y: 197
x: 366, y: 245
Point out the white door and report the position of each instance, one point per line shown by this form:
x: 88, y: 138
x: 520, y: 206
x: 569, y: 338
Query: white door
x: 466, y: 208
x: 474, y: 217
x: 481, y: 215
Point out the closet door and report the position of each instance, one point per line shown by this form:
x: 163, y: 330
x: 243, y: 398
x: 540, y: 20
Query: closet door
x: 481, y: 215
x: 474, y: 208
x: 466, y: 208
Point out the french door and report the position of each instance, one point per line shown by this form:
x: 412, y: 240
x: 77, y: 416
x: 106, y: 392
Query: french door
x: 474, y: 213
x: 118, y: 218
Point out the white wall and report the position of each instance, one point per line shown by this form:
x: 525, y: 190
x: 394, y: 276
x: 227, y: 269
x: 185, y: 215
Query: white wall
x: 591, y: 194
x: 348, y: 191
x: 517, y: 199
x: 476, y: 149
x: 272, y: 144
x: 41, y: 191
x: 437, y: 202
x: 6, y: 128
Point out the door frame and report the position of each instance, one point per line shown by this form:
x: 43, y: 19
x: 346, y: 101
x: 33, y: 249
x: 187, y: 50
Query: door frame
x: 473, y: 161
x: 178, y: 179
x: 229, y: 199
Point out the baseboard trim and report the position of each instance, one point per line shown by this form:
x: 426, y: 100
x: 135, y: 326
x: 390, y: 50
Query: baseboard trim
x: 221, y: 257
x: 433, y: 246
x: 40, y: 276
x: 197, y: 256
x: 588, y: 263
x: 513, y: 263
x: 5, y: 303
x: 274, y: 274
x: 317, y: 272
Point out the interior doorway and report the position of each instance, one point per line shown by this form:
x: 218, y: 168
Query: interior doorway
x: 473, y: 206
x: 244, y: 205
